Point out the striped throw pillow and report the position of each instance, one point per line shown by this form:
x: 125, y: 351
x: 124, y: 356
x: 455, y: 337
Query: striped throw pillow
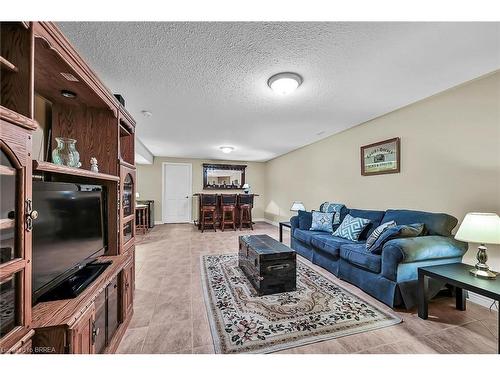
x: 377, y: 232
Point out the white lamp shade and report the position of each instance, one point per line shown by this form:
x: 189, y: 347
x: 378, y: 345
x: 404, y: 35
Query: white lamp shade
x: 137, y: 195
x: 297, y: 206
x: 483, y: 228
x: 246, y: 186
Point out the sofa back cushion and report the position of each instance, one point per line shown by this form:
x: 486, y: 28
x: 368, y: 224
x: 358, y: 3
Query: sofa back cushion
x: 435, y: 223
x: 305, y: 220
x: 374, y: 216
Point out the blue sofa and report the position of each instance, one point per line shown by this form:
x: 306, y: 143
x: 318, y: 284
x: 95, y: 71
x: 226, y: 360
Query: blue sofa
x: 391, y: 277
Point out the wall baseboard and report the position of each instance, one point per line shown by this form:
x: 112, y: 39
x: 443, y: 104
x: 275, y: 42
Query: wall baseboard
x: 480, y: 300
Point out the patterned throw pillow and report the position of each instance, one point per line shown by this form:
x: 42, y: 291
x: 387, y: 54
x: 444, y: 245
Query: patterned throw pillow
x: 399, y: 231
x: 336, y: 208
x: 351, y: 227
x: 322, y: 221
x: 377, y: 232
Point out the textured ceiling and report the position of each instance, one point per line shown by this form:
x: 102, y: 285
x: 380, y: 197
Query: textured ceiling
x: 205, y: 82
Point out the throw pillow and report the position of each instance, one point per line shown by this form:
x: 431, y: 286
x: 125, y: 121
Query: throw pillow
x: 377, y: 232
x: 336, y: 208
x: 322, y: 221
x: 305, y: 220
x: 399, y: 231
x: 351, y: 227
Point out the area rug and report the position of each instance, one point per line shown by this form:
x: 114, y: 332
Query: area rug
x: 243, y: 322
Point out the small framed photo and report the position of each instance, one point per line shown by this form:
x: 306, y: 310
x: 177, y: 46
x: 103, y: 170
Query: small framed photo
x: 381, y: 157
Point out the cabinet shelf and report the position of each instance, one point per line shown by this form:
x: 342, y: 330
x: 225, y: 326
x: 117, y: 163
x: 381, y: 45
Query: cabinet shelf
x: 43, y: 166
x: 7, y: 65
x: 7, y: 223
x: 7, y: 171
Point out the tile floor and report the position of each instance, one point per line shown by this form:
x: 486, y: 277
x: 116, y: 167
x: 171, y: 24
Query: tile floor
x: 170, y: 316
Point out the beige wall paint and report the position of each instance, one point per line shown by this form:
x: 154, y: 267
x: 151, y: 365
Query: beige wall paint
x: 149, y: 182
x: 450, y: 161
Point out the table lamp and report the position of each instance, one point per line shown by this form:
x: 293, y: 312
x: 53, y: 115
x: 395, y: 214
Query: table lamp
x: 482, y: 228
x: 246, y: 188
x: 297, y: 206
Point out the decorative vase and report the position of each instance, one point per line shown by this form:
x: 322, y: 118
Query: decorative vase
x: 65, y: 153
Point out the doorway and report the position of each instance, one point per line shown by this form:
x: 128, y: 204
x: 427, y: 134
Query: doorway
x: 177, y: 183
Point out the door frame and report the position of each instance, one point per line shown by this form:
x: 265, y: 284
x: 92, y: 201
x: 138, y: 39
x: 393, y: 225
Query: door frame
x: 190, y: 201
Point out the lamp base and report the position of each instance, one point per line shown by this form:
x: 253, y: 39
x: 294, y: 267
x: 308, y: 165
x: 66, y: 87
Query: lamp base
x: 482, y: 270
x: 483, y: 274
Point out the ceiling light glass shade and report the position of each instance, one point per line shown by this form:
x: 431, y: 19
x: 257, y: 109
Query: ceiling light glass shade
x: 284, y: 83
x: 226, y: 149
x: 483, y: 228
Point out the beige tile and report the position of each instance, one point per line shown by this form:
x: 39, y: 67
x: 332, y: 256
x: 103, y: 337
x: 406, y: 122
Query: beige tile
x: 132, y: 341
x: 170, y: 314
x: 168, y: 338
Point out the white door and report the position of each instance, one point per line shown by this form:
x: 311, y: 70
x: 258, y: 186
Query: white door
x: 177, y: 185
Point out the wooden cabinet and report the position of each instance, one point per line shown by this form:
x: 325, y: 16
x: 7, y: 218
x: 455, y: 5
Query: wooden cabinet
x: 83, y: 333
x: 35, y: 57
x: 128, y: 277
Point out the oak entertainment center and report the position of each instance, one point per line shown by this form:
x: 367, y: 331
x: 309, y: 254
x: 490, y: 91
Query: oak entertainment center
x: 37, y: 64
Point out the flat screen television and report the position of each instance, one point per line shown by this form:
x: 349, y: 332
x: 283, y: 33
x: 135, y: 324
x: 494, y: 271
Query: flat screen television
x: 68, y: 233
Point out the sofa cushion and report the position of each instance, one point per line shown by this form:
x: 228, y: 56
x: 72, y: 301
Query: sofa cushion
x: 305, y: 235
x: 435, y: 223
x: 356, y: 254
x: 322, y: 221
x: 305, y: 219
x: 351, y: 227
x: 399, y: 231
x: 329, y: 244
x: 374, y: 216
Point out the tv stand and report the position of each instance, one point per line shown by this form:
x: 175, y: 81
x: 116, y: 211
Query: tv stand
x: 75, y: 284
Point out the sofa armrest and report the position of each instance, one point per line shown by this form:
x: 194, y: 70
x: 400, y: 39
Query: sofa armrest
x: 418, y: 249
x: 294, y: 223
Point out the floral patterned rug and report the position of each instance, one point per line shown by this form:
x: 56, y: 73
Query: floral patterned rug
x: 243, y: 322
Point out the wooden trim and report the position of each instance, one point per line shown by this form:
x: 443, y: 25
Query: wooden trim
x: 44, y: 166
x: 15, y: 339
x: 7, y: 65
x: 398, y: 157
x: 17, y: 119
x: 8, y: 269
x: 7, y: 171
x: 128, y: 165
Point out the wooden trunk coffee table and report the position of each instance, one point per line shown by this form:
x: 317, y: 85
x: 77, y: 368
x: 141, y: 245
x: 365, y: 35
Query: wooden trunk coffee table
x: 269, y: 265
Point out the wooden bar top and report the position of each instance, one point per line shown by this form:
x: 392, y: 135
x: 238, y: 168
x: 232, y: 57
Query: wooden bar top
x: 66, y: 312
x: 198, y: 194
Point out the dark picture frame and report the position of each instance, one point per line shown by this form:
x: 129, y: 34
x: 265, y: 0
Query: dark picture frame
x: 382, y: 157
x: 232, y: 167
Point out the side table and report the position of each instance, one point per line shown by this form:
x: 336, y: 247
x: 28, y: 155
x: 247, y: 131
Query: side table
x: 283, y: 224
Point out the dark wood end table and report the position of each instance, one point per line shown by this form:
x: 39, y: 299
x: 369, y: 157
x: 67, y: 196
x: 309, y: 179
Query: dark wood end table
x: 456, y: 274
x: 284, y: 224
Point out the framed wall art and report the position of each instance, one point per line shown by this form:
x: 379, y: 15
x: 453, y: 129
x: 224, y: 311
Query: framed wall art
x: 381, y: 157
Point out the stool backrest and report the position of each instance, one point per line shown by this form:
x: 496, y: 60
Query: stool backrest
x: 208, y: 199
x: 245, y: 199
x: 228, y: 199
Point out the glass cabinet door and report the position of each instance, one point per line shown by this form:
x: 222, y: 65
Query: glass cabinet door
x: 10, y: 285
x: 128, y: 189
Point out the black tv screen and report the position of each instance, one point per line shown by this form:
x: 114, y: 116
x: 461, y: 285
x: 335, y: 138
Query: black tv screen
x: 68, y: 233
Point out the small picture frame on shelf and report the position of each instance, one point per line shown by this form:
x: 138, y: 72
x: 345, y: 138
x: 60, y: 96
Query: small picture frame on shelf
x: 381, y: 157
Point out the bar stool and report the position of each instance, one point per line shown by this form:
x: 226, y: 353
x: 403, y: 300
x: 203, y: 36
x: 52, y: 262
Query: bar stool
x: 228, y: 208
x: 245, y: 204
x: 208, y: 210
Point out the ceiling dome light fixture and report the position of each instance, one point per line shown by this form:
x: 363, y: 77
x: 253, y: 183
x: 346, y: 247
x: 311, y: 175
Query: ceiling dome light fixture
x: 226, y: 149
x: 284, y: 83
